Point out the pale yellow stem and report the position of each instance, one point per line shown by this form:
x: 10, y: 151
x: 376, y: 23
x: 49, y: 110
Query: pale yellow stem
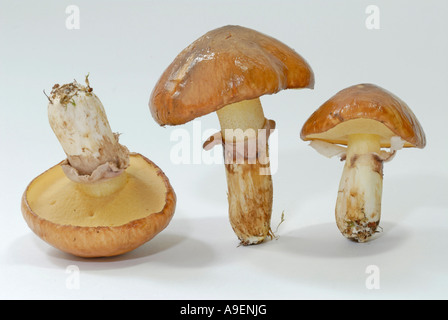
x: 246, y: 116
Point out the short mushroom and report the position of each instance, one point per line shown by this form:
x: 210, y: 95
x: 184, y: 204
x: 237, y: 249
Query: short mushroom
x: 227, y: 70
x: 102, y: 200
x: 365, y: 118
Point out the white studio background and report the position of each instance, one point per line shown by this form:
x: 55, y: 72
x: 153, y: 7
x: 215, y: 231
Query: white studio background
x: 125, y: 46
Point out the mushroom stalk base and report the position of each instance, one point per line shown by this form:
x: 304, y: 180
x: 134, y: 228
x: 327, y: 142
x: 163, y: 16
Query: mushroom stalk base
x: 79, y: 121
x: 358, y: 206
x: 244, y: 134
x: 250, y: 195
x: 104, y: 188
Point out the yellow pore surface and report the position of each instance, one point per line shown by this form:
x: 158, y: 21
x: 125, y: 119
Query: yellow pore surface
x: 54, y: 197
x: 340, y: 133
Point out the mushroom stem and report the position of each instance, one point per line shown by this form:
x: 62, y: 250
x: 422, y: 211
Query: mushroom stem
x: 358, y: 206
x: 250, y: 197
x: 104, y: 188
x: 249, y: 181
x: 79, y: 121
x: 244, y: 117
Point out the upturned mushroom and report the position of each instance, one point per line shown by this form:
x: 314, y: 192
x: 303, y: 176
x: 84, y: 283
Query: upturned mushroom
x: 102, y: 200
x: 227, y: 70
x: 365, y: 118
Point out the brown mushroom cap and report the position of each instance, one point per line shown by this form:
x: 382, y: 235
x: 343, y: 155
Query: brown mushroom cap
x: 364, y: 108
x: 224, y: 66
x: 106, y: 226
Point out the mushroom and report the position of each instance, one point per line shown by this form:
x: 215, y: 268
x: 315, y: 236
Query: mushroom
x: 365, y: 118
x: 227, y: 70
x: 102, y: 200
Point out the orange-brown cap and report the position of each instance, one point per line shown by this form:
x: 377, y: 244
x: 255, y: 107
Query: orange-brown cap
x: 224, y: 66
x: 364, y: 108
x: 75, y: 230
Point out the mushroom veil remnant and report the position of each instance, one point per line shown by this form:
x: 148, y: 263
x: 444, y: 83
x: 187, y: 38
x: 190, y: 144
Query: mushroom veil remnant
x: 227, y: 70
x: 365, y: 118
x: 102, y: 200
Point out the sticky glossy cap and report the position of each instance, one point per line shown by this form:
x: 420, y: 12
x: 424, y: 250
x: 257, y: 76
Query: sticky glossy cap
x: 364, y: 108
x: 224, y: 66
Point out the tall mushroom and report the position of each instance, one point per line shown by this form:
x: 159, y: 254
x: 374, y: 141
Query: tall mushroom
x: 365, y: 118
x: 227, y: 70
x: 102, y: 200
